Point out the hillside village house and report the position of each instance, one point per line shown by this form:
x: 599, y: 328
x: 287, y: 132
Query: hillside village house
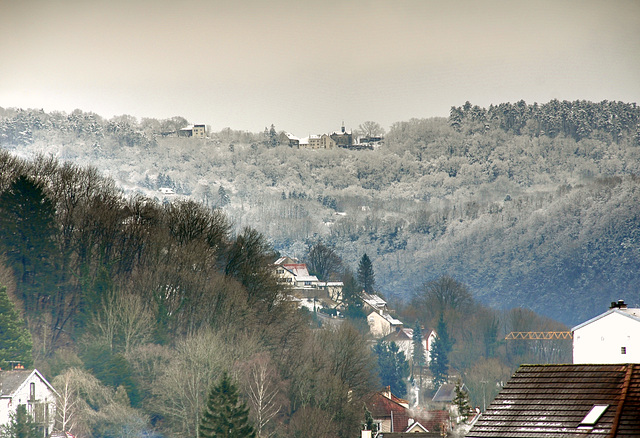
x: 373, y: 303
x: 403, y: 338
x: 306, y: 288
x: 30, y: 388
x: 612, y: 337
x: 382, y: 324
x: 394, y: 418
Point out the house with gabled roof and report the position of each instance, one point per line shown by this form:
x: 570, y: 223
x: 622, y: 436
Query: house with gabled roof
x: 314, y: 293
x: 294, y: 273
x: 29, y: 388
x: 403, y: 338
x: 611, y: 337
x: 569, y: 400
x: 373, y: 303
x: 382, y: 324
x: 394, y: 418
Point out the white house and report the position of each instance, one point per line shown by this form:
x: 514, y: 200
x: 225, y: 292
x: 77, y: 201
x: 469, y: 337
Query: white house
x: 404, y: 340
x: 372, y: 302
x: 382, y: 324
x: 612, y: 337
x: 314, y: 293
x: 295, y: 274
x: 29, y: 388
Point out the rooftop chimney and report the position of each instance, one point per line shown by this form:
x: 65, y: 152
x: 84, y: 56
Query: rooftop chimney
x: 619, y: 305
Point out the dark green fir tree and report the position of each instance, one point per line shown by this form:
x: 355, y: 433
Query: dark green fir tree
x: 440, y: 350
x: 366, y: 276
x: 27, y: 229
x: 461, y: 401
x: 393, y: 367
x: 15, y: 339
x: 225, y: 416
x: 419, y: 360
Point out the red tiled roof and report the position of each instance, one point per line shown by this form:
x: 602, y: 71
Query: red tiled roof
x: 433, y: 420
x: 381, y: 407
x: 552, y: 400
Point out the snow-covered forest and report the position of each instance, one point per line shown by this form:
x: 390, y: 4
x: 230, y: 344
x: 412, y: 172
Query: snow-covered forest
x: 529, y: 205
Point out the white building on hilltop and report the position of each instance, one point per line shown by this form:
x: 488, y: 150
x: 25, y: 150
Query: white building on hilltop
x: 609, y: 338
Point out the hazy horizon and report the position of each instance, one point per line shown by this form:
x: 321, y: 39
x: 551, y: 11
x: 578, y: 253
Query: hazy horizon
x: 308, y: 66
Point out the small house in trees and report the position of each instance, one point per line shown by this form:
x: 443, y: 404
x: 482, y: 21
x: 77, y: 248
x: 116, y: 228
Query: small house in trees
x: 382, y: 324
x: 373, y: 302
x: 404, y: 340
x: 394, y: 418
x: 295, y: 274
x: 29, y: 388
x: 446, y: 397
x: 313, y: 293
x: 611, y: 337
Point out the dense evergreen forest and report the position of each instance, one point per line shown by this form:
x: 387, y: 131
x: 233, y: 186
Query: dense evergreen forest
x: 530, y: 205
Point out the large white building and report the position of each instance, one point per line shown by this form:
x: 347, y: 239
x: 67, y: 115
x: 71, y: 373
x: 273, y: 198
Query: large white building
x: 29, y: 388
x: 610, y: 338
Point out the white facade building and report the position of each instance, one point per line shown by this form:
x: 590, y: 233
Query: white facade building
x: 29, y: 388
x: 612, y: 337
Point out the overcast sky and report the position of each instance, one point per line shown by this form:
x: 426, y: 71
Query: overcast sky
x: 307, y: 66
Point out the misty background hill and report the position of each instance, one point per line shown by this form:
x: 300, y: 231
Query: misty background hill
x: 529, y: 205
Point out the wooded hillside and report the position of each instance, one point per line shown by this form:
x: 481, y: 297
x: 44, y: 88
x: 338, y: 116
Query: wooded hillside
x: 529, y: 205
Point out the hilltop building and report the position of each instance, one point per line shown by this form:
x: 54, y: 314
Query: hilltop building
x: 337, y: 139
x: 195, y: 131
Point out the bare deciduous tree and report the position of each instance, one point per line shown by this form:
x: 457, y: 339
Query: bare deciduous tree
x: 371, y: 129
x: 263, y: 392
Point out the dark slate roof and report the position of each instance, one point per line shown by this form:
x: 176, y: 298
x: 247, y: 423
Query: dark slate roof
x: 447, y: 392
x: 552, y: 400
x: 10, y: 381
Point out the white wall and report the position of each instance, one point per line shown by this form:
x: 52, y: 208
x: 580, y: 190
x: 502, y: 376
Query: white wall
x: 601, y: 340
x: 22, y: 396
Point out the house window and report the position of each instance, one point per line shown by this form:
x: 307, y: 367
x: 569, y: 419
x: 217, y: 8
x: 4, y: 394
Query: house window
x: 32, y: 391
x: 623, y: 350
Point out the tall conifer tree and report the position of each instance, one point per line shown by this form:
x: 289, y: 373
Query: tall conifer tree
x: 27, y: 228
x: 15, y: 339
x: 225, y: 416
x: 440, y: 350
x: 366, y: 276
x: 419, y: 360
